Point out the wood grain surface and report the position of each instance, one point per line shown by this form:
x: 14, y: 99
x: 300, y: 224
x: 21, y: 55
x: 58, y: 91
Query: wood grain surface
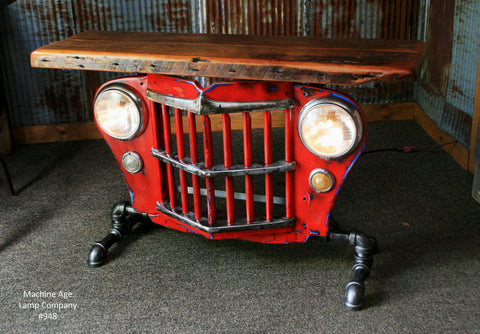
x: 299, y: 59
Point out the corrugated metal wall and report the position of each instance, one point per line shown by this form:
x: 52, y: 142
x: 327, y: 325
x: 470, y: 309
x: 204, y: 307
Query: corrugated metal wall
x: 447, y: 87
x: 38, y: 96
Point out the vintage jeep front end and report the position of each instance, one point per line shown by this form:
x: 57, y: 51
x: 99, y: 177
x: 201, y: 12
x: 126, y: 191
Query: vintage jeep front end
x: 251, y: 160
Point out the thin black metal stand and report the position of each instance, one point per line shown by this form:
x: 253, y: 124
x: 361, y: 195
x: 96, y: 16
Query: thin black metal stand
x: 124, y: 217
x: 5, y: 177
x: 365, y: 248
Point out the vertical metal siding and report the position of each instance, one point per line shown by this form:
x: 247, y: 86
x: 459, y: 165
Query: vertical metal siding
x: 36, y: 96
x: 466, y: 46
x: 392, y: 19
x: 141, y: 15
x: 252, y: 17
x: 447, y: 92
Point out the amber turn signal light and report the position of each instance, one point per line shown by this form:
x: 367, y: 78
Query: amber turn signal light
x: 321, y: 180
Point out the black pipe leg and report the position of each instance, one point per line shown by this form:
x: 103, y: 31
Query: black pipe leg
x: 124, y: 217
x: 365, y: 247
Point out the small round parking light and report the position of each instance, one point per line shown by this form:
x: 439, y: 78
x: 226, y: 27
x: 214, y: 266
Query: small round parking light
x: 132, y: 162
x: 321, y: 180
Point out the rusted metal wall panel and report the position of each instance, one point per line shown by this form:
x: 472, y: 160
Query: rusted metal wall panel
x: 35, y: 96
x: 438, y: 53
x: 465, y: 51
x: 447, y: 88
x: 252, y: 17
x: 392, y: 19
x: 140, y: 15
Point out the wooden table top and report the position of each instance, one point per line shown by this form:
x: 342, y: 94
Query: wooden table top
x: 297, y: 59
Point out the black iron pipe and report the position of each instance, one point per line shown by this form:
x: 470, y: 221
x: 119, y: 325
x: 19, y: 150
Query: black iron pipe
x: 124, y: 217
x: 365, y: 247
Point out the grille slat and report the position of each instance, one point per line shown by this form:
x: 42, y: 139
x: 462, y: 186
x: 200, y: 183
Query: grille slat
x: 168, y: 151
x: 158, y: 139
x: 289, y: 158
x: 247, y: 156
x: 194, y: 159
x: 181, y: 156
x: 267, y: 148
x: 208, y: 154
x: 227, y: 157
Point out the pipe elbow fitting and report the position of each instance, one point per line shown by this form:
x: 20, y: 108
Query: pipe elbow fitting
x: 119, y: 210
x: 97, y: 255
x: 354, y: 296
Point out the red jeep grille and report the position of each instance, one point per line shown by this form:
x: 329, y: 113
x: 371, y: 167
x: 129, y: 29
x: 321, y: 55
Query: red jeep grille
x: 231, y: 188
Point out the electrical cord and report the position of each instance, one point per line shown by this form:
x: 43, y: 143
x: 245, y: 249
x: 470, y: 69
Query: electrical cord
x: 411, y: 149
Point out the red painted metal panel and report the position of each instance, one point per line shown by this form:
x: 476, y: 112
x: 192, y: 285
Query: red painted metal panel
x: 310, y: 209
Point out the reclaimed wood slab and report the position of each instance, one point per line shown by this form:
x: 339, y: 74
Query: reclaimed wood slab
x: 297, y: 59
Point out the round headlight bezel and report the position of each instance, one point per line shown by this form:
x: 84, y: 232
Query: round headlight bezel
x: 134, y: 98
x: 344, y: 106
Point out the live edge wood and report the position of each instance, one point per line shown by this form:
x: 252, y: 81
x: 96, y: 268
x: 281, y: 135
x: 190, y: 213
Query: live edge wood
x: 298, y: 59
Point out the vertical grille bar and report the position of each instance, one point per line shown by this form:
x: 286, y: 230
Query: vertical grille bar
x: 267, y: 149
x: 207, y: 148
x: 181, y: 155
x: 168, y: 151
x: 288, y: 158
x: 194, y: 158
x: 227, y: 160
x: 247, y: 157
x: 158, y: 140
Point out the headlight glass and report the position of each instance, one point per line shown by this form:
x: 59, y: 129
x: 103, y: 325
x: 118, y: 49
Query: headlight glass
x: 117, y: 111
x: 328, y: 130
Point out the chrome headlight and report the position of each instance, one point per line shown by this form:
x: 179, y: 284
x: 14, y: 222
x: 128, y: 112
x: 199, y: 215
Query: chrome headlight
x: 330, y: 128
x: 118, y: 112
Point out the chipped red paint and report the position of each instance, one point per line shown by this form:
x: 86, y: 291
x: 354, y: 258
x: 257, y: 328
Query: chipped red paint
x: 310, y: 209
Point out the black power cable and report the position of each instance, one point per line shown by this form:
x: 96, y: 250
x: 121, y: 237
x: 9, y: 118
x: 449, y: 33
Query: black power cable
x: 411, y: 149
